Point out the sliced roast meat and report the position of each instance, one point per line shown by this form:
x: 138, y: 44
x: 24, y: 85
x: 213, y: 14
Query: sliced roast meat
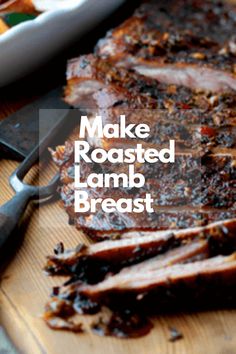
x: 139, y: 246
x: 101, y: 224
x: 189, y: 76
x: 217, y: 190
x: 207, y: 181
x: 174, y: 32
x: 171, y: 65
x: 192, y: 130
x: 190, y: 167
x: 177, y: 58
x: 63, y: 301
x: 191, y: 251
x: 127, y: 251
x: 212, y: 273
x: 94, y: 83
x: 105, y: 226
x: 155, y: 286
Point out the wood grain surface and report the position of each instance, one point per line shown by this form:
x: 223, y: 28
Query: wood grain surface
x: 24, y: 288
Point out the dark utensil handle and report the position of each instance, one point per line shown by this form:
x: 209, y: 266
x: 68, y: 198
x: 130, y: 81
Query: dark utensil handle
x: 7, y: 152
x: 10, y: 215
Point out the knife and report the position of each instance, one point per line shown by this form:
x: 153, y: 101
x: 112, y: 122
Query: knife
x: 19, y: 132
x: 43, y: 125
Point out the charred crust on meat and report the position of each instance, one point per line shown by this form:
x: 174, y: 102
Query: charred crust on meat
x: 177, y: 57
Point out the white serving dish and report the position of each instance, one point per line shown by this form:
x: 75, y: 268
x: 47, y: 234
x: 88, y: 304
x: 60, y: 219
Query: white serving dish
x: 28, y: 45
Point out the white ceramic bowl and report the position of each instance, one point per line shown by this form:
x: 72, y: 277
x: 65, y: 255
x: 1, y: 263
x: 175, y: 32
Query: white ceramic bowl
x: 26, y: 46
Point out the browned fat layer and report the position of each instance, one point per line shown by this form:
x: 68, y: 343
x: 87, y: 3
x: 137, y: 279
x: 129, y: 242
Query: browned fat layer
x: 220, y: 268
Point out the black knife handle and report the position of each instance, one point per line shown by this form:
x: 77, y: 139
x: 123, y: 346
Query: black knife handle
x: 7, y: 152
x: 10, y: 216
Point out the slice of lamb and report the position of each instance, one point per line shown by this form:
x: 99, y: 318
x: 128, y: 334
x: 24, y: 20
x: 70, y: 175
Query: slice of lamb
x: 192, y: 76
x: 126, y: 251
x: 219, y: 270
x: 96, y: 84
x: 196, y: 250
x: 111, y: 89
x: 101, y: 225
x: 102, y: 88
x: 176, y: 31
x: 192, y: 251
x: 131, y: 250
x: 85, y: 90
x: 116, y: 226
x: 188, y: 135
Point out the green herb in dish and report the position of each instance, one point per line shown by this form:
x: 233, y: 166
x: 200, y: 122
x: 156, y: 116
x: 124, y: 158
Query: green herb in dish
x: 15, y: 18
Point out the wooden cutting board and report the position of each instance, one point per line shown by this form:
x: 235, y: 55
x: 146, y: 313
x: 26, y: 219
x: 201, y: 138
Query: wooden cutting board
x: 24, y: 290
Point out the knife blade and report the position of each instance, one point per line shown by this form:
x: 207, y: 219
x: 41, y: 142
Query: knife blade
x: 21, y: 131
